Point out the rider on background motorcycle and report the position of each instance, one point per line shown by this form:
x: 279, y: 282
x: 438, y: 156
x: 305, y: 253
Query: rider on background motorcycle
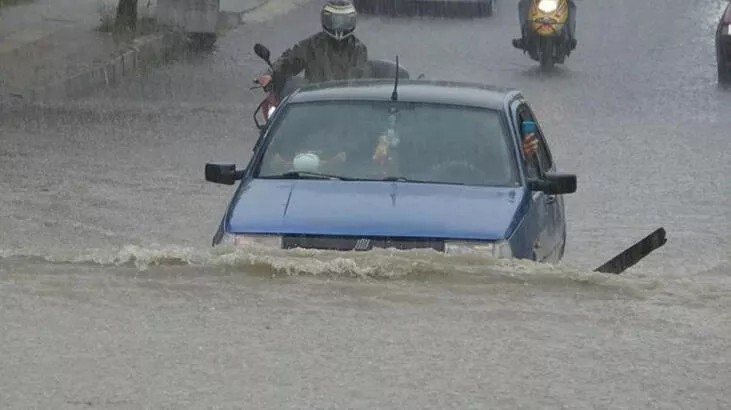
x: 524, y: 7
x: 332, y: 54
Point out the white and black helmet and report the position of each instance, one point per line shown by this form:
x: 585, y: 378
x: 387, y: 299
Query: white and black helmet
x: 338, y: 18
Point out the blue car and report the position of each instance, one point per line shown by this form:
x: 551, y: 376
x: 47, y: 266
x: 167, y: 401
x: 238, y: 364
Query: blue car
x: 365, y: 164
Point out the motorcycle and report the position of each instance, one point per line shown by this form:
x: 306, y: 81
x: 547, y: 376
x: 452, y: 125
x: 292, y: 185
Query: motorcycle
x: 273, y: 97
x: 376, y: 69
x: 547, y: 37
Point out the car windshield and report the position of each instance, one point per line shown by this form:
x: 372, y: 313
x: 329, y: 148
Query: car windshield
x: 369, y: 140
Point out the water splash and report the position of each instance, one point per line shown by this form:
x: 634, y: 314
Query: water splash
x: 379, y: 263
x: 382, y: 264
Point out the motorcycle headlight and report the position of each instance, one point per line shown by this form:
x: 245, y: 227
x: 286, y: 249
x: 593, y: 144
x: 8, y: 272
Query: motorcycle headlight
x: 274, y: 241
x: 499, y: 249
x: 271, y: 111
x: 547, y: 6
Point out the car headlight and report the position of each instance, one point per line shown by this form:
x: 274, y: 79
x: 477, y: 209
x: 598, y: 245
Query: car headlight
x: 271, y: 110
x: 274, y: 241
x: 547, y: 6
x: 499, y: 249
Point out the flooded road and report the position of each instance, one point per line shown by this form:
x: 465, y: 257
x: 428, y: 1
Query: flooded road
x: 110, y: 296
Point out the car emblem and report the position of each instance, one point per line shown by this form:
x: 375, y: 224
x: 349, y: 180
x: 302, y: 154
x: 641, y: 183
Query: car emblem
x: 362, y: 245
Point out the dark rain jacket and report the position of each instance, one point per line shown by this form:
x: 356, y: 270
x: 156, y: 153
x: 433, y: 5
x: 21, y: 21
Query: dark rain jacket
x: 322, y: 59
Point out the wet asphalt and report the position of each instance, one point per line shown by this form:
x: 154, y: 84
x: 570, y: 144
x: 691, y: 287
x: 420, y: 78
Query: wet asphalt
x: 118, y: 175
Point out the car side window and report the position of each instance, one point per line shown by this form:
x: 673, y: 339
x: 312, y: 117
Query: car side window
x: 544, y: 153
x: 532, y: 164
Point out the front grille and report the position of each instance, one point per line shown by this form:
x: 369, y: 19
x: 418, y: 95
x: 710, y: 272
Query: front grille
x: 350, y: 243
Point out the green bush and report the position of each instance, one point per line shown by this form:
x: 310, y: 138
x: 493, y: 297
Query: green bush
x: 5, y: 3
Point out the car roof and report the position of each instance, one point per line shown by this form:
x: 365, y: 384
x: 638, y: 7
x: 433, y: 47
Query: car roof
x: 427, y: 91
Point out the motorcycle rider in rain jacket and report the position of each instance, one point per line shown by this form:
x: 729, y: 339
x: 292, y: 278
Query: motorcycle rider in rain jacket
x: 332, y: 54
x: 524, y: 7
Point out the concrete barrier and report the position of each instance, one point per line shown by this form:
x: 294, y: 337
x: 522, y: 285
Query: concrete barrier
x: 143, y: 53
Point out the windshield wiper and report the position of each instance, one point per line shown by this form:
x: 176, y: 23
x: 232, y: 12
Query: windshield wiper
x: 399, y: 179
x: 305, y: 175
x: 418, y: 181
x: 317, y: 175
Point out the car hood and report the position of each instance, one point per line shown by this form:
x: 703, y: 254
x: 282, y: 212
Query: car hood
x: 374, y: 208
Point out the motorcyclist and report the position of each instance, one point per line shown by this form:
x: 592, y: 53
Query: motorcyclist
x: 331, y: 54
x: 523, y: 9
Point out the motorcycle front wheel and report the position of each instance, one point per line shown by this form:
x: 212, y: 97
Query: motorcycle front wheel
x: 546, y: 54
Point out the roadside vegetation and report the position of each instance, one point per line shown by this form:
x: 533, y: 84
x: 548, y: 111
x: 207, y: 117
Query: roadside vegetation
x: 7, y: 3
x: 126, y: 17
x: 123, y: 20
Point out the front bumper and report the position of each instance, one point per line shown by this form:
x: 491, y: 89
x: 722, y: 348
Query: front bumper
x: 344, y: 243
x: 497, y: 249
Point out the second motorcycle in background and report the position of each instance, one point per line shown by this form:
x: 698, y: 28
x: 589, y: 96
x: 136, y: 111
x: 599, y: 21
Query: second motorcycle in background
x: 547, y: 30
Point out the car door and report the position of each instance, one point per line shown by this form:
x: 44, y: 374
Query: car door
x: 548, y: 208
x: 553, y: 204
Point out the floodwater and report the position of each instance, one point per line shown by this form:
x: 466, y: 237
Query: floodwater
x: 111, y: 297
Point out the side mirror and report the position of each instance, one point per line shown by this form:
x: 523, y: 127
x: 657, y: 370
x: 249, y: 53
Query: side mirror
x: 554, y: 184
x: 223, y: 173
x: 262, y: 52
